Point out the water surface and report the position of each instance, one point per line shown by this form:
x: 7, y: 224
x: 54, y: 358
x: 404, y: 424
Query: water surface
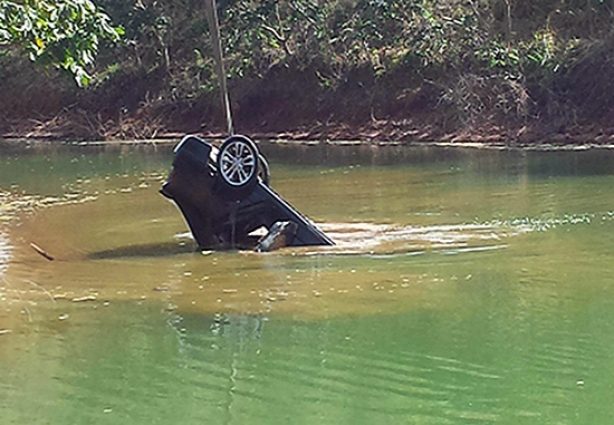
x: 466, y: 287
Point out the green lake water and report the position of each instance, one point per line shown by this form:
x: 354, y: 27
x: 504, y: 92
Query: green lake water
x: 466, y: 287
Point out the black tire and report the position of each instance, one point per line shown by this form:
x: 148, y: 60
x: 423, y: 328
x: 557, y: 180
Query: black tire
x: 264, y: 172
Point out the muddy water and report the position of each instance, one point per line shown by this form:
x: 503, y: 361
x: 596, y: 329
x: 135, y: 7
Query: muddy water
x: 465, y: 287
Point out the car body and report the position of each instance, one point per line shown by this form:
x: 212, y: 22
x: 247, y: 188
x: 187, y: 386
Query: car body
x: 224, y: 197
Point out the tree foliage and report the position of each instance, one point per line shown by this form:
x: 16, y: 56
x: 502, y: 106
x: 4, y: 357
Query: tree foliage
x: 507, y: 56
x: 64, y: 33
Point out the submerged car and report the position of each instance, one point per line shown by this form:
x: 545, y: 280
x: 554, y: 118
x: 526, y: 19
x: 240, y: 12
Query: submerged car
x: 224, y: 196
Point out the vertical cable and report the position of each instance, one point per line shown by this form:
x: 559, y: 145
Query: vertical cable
x: 214, y: 29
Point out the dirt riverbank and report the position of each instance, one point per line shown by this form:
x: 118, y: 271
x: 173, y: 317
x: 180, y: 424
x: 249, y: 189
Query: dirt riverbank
x: 294, y: 108
x: 375, y: 132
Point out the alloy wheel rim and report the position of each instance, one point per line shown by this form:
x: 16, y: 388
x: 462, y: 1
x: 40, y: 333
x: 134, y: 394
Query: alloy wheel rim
x: 238, y: 163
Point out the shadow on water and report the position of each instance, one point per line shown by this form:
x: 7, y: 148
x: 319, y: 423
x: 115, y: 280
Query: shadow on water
x: 153, y: 250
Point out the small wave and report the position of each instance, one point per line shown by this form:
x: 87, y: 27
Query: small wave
x: 12, y: 204
x: 550, y: 222
x: 385, y: 239
x: 5, y: 253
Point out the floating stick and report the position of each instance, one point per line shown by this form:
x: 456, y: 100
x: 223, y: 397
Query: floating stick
x: 41, y: 251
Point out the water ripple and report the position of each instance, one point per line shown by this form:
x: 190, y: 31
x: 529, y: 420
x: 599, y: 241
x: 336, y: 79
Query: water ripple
x: 385, y: 239
x: 5, y: 253
x: 386, y: 385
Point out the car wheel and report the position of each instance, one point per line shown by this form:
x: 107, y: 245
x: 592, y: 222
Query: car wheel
x: 237, y: 163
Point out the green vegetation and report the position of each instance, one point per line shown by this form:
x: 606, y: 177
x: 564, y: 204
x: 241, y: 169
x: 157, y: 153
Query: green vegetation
x: 64, y: 33
x: 462, y: 64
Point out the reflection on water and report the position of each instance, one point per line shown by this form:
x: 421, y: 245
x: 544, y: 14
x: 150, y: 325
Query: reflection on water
x: 5, y: 253
x: 465, y: 287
